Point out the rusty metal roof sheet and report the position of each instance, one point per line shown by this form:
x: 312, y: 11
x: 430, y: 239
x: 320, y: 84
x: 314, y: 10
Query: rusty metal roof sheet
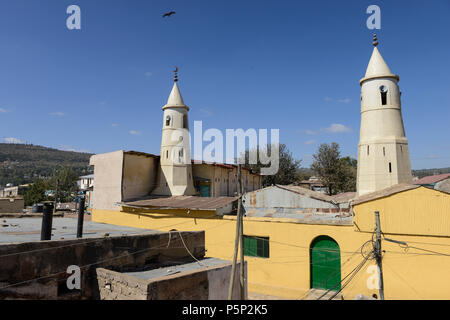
x: 307, y: 192
x: 384, y: 192
x: 138, y: 153
x: 432, y: 179
x: 344, y: 197
x: 224, y: 165
x: 181, y: 202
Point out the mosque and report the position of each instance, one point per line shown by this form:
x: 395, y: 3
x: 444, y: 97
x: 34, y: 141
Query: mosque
x: 298, y: 243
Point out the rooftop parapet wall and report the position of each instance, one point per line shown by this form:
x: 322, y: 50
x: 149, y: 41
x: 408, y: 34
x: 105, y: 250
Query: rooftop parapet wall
x: 21, y: 264
x: 11, y: 205
x: 207, y: 279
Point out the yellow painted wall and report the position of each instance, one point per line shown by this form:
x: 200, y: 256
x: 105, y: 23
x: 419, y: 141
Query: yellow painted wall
x: 407, y: 275
x: 420, y: 211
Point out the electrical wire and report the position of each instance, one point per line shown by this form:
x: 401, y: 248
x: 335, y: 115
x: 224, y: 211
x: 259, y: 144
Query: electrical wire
x: 356, y: 269
x: 350, y: 278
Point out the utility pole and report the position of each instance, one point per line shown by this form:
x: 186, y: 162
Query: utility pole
x: 237, y: 237
x: 378, y: 253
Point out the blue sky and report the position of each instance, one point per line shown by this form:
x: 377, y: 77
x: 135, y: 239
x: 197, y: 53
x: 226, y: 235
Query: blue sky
x: 292, y: 65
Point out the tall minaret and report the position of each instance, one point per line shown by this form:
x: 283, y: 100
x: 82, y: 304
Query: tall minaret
x: 383, y: 154
x: 175, y: 172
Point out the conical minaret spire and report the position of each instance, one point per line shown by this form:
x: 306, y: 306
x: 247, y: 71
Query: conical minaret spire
x: 377, y: 67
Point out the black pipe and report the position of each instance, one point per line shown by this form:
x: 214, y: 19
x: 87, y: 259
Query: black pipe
x: 47, y: 217
x: 80, y: 217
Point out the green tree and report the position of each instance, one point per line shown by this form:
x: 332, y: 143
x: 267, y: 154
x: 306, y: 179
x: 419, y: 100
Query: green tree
x: 36, y: 192
x: 64, y: 183
x: 348, y: 167
x: 336, y: 173
x: 288, y: 166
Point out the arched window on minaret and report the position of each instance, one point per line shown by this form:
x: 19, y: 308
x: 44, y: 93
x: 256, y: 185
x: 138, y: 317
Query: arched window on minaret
x: 168, y: 121
x: 185, y: 121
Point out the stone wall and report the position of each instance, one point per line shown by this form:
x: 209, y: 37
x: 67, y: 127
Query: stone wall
x: 209, y: 283
x: 37, y: 270
x: 11, y: 205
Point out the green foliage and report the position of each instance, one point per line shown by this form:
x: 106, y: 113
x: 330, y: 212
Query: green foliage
x: 348, y: 167
x: 336, y: 173
x: 288, y: 172
x: 36, y: 192
x: 24, y: 163
x: 64, y: 183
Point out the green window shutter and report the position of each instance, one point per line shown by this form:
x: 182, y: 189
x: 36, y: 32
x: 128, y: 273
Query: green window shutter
x: 256, y: 247
x: 266, y: 248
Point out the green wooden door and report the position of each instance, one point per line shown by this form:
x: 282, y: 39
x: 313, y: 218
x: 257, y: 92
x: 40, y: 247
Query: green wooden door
x: 325, y: 264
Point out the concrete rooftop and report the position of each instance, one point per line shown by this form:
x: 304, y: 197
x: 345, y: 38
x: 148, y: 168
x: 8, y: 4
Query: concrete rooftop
x: 29, y: 229
x: 161, y: 272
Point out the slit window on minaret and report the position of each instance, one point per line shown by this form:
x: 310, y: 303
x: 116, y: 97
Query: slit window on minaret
x: 383, y: 92
x: 383, y: 98
x: 168, y: 121
x: 185, y: 122
x: 384, y: 151
x: 367, y: 150
x: 390, y: 167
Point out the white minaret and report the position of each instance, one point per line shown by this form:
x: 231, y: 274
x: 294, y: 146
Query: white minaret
x: 383, y: 154
x: 175, y: 172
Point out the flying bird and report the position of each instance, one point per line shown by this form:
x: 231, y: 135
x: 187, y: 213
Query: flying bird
x: 168, y: 14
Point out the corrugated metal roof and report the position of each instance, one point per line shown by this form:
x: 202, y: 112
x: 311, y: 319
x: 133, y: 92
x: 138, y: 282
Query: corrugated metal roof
x: 182, y: 202
x: 307, y: 192
x: 432, y: 179
x: 88, y: 176
x: 384, y: 192
x: 224, y: 165
x: 341, y: 218
x: 138, y: 153
x: 344, y: 197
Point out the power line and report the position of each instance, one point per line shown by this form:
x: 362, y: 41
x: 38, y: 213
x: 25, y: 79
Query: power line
x: 350, y: 279
x: 356, y: 269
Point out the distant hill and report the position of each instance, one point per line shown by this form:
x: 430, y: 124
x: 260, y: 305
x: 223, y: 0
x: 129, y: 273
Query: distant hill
x: 24, y: 163
x: 429, y: 172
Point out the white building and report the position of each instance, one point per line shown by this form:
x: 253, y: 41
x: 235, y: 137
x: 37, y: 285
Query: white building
x: 85, y: 182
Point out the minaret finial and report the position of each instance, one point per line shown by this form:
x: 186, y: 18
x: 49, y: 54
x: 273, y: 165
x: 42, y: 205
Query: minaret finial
x: 375, y: 40
x: 175, y: 77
